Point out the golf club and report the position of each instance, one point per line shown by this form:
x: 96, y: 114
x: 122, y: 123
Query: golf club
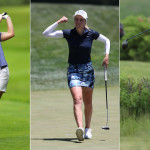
x: 105, y: 77
x: 125, y: 42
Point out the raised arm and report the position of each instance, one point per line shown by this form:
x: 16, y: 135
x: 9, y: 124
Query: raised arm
x: 49, y: 32
x: 10, y: 29
x: 102, y: 38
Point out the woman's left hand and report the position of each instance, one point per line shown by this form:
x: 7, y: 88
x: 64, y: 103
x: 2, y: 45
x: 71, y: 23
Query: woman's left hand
x: 106, y: 60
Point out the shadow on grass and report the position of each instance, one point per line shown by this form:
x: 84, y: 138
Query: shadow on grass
x: 74, y: 140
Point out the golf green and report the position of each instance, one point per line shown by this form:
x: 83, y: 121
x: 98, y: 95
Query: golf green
x: 14, y: 125
x: 14, y: 105
x: 53, y: 125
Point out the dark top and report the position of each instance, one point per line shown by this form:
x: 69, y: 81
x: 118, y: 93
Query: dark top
x: 2, y: 57
x: 80, y: 45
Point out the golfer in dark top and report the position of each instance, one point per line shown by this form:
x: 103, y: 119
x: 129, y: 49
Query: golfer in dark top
x: 4, y: 71
x: 80, y: 70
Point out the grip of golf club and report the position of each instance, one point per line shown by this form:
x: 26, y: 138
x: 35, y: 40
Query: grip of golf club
x: 105, y: 73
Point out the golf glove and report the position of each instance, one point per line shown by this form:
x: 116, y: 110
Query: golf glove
x: 4, y: 16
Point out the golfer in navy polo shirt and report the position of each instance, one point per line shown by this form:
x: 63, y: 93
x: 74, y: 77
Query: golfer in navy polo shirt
x: 80, y: 70
x: 4, y: 71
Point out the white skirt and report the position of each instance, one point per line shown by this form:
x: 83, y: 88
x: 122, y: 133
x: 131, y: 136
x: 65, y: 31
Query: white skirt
x: 4, y: 77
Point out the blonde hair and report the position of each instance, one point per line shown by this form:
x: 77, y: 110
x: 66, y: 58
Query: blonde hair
x: 86, y: 27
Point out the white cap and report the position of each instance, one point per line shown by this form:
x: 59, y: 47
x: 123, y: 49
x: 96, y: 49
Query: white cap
x: 81, y: 13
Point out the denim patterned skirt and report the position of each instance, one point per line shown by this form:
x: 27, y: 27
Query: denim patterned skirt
x: 81, y: 75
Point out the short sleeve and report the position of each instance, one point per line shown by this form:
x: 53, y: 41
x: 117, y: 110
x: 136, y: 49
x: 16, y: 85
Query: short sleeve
x: 66, y: 33
x: 95, y: 34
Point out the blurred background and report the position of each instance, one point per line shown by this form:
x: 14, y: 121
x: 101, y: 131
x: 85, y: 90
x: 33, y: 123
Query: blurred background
x: 15, y: 104
x: 135, y: 76
x: 94, y: 2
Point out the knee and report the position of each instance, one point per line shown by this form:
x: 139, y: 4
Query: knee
x: 88, y: 103
x: 77, y: 100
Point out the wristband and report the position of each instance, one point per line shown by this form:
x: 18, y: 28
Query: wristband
x: 5, y: 16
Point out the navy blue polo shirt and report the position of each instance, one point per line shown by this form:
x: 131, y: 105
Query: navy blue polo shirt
x: 2, y: 58
x: 80, y: 45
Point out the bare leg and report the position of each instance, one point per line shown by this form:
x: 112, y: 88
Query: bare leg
x: 77, y: 100
x: 87, y: 98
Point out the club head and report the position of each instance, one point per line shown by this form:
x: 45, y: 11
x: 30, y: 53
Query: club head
x: 125, y: 44
x: 105, y: 128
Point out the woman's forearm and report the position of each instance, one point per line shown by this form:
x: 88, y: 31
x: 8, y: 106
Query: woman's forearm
x: 10, y: 28
x: 51, y: 33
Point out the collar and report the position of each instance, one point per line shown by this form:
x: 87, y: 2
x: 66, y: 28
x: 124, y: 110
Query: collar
x: 84, y: 33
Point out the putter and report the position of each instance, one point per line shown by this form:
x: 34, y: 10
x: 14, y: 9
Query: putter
x: 105, y: 77
x: 125, y: 42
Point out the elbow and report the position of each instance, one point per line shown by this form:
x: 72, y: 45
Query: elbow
x: 44, y: 33
x: 108, y: 41
x: 12, y: 34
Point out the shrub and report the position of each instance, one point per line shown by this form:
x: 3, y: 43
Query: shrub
x: 134, y: 97
x: 138, y: 47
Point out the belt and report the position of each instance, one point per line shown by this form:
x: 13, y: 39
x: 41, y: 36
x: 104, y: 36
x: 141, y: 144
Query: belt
x: 3, y: 67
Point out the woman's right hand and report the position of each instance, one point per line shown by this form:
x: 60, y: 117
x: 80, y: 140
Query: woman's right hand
x: 106, y: 60
x: 62, y: 20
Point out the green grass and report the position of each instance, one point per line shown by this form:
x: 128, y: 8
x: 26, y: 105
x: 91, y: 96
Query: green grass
x: 17, y: 53
x: 134, y: 69
x: 134, y: 127
x: 53, y: 124
x: 135, y: 143
x: 13, y: 2
x: 135, y: 134
x: 134, y: 7
x: 14, y: 125
x: 14, y: 105
x: 49, y: 56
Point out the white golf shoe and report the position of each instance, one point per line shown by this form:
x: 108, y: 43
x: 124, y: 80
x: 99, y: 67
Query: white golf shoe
x: 80, y: 134
x: 88, y: 134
